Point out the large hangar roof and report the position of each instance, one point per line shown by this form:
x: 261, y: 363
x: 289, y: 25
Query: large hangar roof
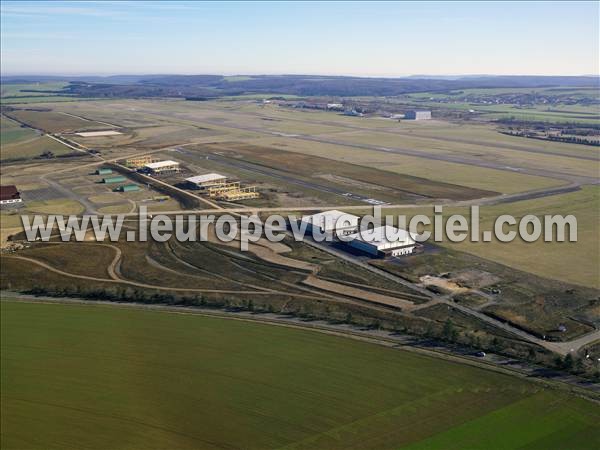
x: 206, y: 178
x: 161, y: 164
x: 328, y: 219
x: 385, y: 237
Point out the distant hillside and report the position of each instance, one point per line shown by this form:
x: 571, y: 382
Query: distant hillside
x: 303, y: 85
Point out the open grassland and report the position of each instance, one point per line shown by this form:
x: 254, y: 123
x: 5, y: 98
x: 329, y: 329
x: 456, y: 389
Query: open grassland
x: 34, y: 93
x: 575, y: 262
x: 237, y: 121
x: 53, y: 122
x: 571, y: 262
x: 441, y: 171
x: 27, y: 149
x: 354, y: 178
x: 556, y: 113
x: 465, y: 149
x: 24, y: 89
x: 20, y: 142
x: 104, y: 377
x: 11, y: 131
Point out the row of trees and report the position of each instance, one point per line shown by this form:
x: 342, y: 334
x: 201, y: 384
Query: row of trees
x: 447, y: 332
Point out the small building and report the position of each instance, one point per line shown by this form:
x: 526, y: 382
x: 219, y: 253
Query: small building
x: 384, y: 241
x: 10, y: 195
x: 417, y: 115
x: 335, y: 106
x: 162, y: 167
x: 128, y: 188
x: 103, y: 171
x: 111, y: 180
x: 138, y: 162
x: 206, y: 180
x: 331, y: 222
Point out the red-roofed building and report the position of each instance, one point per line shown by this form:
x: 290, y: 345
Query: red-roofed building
x: 9, y: 195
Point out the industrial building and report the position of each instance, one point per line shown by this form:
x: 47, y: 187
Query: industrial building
x: 331, y: 222
x: 417, y: 115
x: 245, y: 193
x: 128, y: 188
x: 10, y: 195
x: 384, y: 241
x: 207, y: 180
x: 162, y: 167
x: 138, y: 162
x: 117, y: 179
x: 103, y: 171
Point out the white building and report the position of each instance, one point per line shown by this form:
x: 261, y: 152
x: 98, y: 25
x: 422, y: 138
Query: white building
x: 329, y: 222
x: 206, y: 180
x: 418, y: 115
x: 162, y: 167
x: 385, y: 240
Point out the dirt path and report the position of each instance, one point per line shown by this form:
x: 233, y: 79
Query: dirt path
x: 133, y: 283
x: 361, y: 294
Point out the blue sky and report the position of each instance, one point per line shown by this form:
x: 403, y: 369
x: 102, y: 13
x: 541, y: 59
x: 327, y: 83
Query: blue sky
x: 346, y: 38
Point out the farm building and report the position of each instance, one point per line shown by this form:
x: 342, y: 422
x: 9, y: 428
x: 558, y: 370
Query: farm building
x: 103, y: 171
x: 384, y: 241
x: 128, y: 188
x: 209, y: 179
x: 162, y: 167
x: 140, y: 161
x: 418, y: 115
x: 9, y: 195
x: 333, y: 221
x: 117, y: 179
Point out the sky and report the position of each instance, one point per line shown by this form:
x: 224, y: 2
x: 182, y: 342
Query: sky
x: 388, y: 39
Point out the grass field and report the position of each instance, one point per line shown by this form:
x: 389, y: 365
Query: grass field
x: 21, y: 89
x: 575, y: 262
x: 571, y: 262
x: 54, y: 122
x: 11, y: 131
x: 34, y: 93
x: 104, y: 377
x: 33, y: 148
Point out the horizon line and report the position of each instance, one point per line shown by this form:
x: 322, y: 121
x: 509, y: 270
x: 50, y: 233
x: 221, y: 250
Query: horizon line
x: 116, y: 74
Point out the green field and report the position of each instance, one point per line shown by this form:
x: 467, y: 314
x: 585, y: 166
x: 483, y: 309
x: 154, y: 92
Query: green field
x: 104, y: 377
x: 34, y: 93
x: 30, y: 148
x: 11, y: 131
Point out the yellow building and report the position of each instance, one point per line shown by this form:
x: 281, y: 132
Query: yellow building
x: 140, y: 161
